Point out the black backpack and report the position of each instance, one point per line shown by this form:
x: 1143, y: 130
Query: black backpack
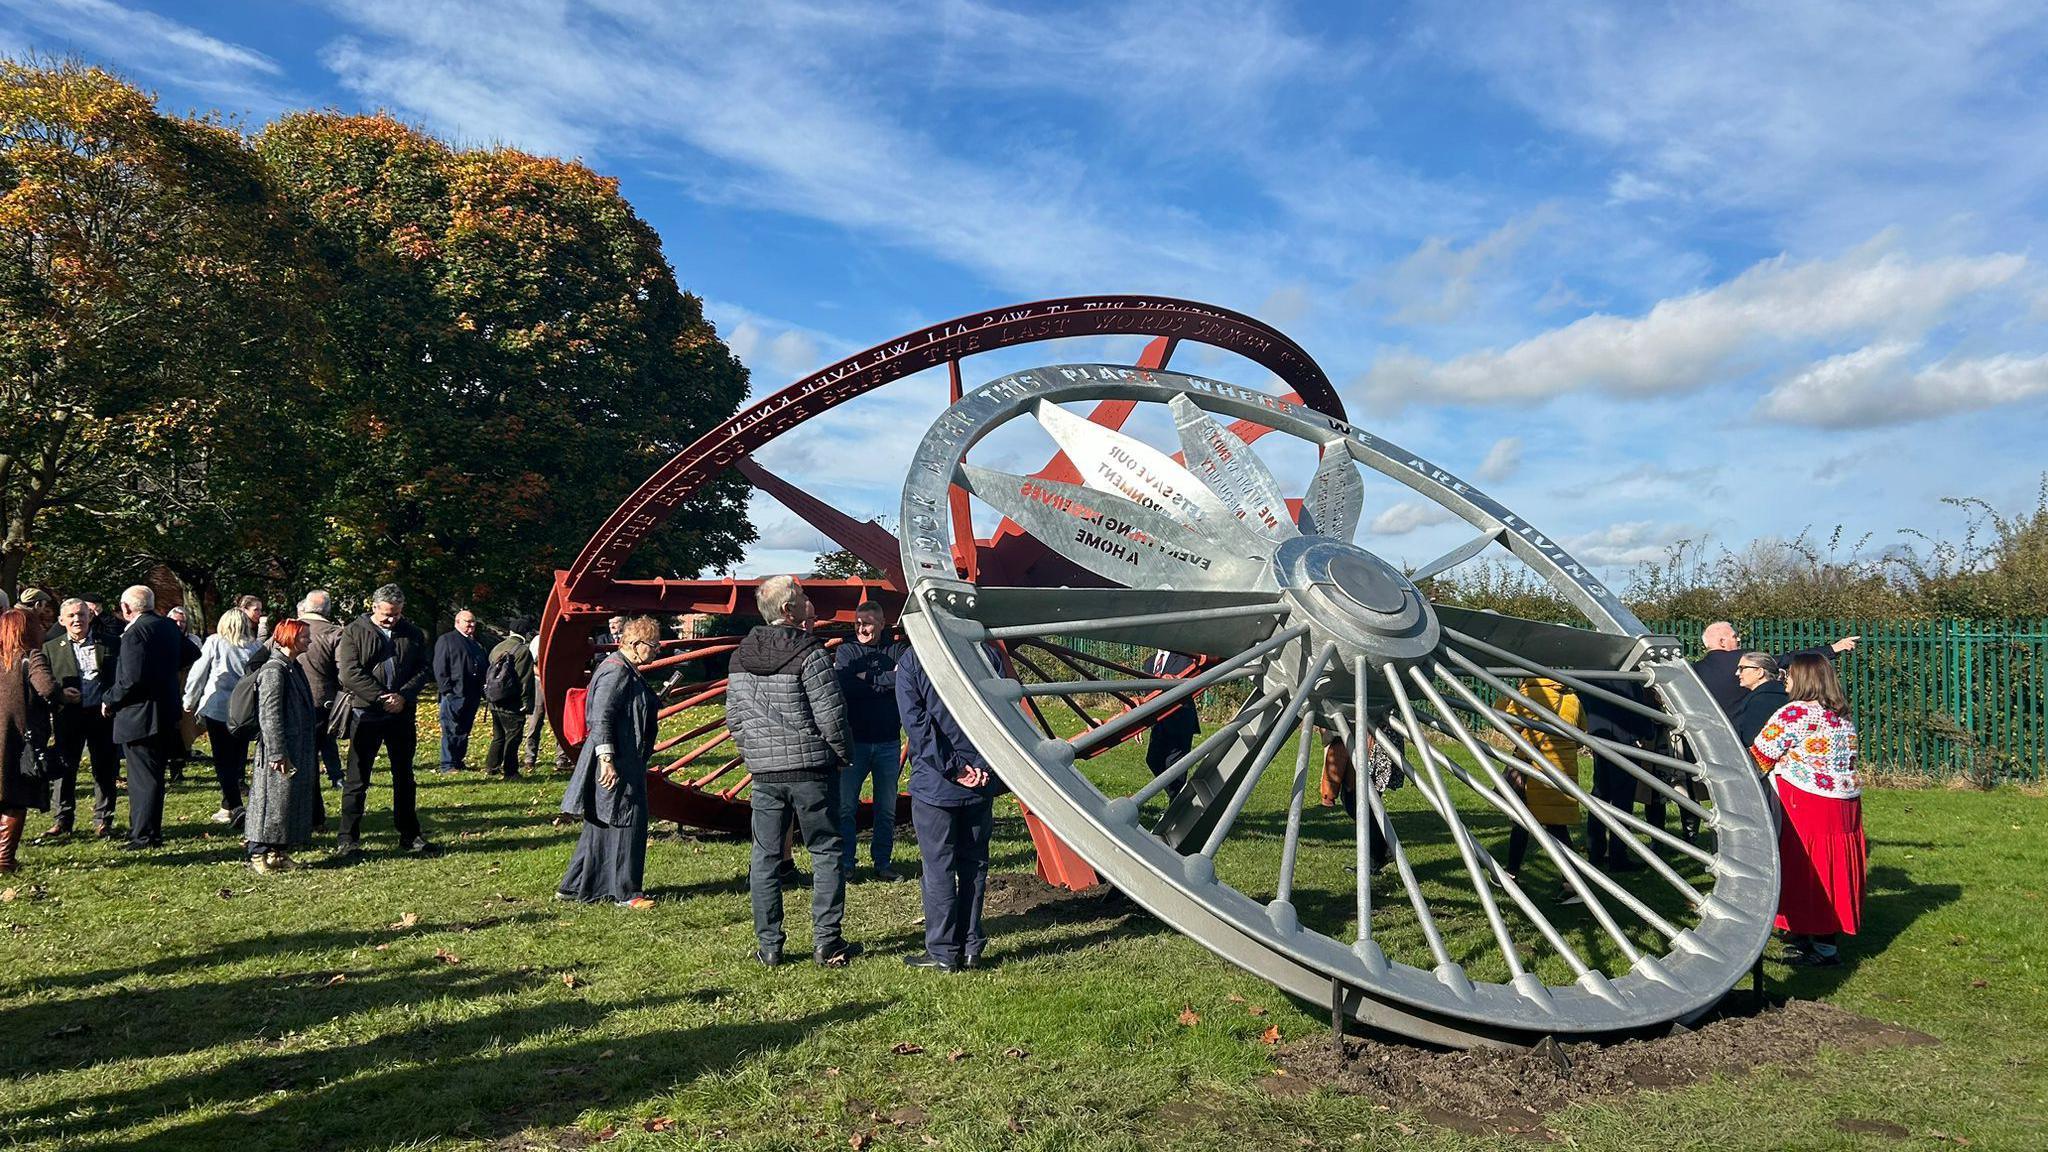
x: 242, y: 718
x: 501, y: 684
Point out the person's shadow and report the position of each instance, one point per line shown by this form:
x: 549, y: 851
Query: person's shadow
x: 1892, y: 901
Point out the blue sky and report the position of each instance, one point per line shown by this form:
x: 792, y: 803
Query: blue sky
x: 1648, y: 272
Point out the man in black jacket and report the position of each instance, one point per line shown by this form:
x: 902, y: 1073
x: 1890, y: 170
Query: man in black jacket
x: 381, y: 663
x: 866, y: 666
x: 146, y: 703
x: 459, y: 674
x: 1724, y: 648
x: 83, y: 665
x: 783, y: 705
x: 507, y: 723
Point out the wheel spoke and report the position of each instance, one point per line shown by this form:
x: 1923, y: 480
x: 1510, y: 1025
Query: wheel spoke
x: 1210, y: 624
x: 1300, y: 698
x: 1457, y: 556
x: 1369, y: 798
x: 1572, y: 731
x: 1290, y: 847
x: 1575, y: 683
x: 1176, y: 690
x: 1361, y: 783
x: 1213, y: 745
x: 1088, y: 722
x: 1517, y: 809
x: 1460, y: 835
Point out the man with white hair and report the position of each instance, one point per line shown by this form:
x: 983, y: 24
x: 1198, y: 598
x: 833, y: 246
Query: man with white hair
x: 459, y: 667
x: 1724, y: 648
x: 786, y: 713
x: 146, y: 702
x: 83, y: 665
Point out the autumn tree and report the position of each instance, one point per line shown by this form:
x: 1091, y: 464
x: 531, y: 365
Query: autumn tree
x: 152, y: 340
x: 512, y: 357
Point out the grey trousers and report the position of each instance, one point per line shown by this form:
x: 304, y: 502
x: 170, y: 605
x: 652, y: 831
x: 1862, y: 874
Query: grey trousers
x: 813, y: 804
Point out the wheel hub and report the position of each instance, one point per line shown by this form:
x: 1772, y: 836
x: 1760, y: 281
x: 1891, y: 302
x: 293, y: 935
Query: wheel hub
x: 1355, y: 600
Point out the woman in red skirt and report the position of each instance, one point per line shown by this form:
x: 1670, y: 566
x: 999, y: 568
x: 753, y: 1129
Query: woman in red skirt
x: 1809, y: 749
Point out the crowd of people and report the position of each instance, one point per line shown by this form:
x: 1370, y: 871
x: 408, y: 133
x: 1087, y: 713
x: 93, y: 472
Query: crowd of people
x: 308, y: 700
x: 83, y: 689
x: 814, y: 726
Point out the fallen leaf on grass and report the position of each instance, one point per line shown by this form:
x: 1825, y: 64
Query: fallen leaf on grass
x: 1980, y: 983
x: 405, y: 920
x: 7, y: 897
x: 1256, y: 1010
x: 957, y: 1055
x: 570, y: 980
x: 226, y: 893
x: 907, y: 1049
x: 1271, y: 1035
x: 1015, y: 1053
x: 659, y: 1124
x: 860, y: 1140
x: 1234, y: 998
x: 1014, y: 1125
x: 337, y: 978
x: 1188, y: 1018
x: 831, y: 1071
x: 446, y: 957
x: 607, y: 1133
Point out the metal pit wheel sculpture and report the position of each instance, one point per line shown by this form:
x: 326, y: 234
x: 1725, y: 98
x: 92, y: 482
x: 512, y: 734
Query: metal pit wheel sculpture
x: 1200, y: 552
x: 699, y: 779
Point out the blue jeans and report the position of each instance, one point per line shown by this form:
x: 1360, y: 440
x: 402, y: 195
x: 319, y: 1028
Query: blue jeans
x: 884, y: 763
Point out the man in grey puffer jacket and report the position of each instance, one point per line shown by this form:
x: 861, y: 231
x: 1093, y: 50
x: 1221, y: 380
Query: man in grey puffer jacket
x: 783, y: 705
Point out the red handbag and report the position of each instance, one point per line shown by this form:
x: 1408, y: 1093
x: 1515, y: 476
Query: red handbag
x: 575, y: 720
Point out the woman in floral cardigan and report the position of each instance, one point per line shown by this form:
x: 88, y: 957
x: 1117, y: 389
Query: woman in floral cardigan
x: 1809, y: 749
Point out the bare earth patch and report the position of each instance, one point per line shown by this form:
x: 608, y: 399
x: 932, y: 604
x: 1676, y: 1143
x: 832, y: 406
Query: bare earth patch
x: 1486, y: 1091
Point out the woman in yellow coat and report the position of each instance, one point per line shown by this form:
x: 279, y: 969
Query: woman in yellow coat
x: 1553, y: 808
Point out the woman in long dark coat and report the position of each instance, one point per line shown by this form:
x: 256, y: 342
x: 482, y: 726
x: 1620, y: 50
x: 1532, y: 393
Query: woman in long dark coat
x: 26, y: 690
x: 284, y: 789
x: 609, y: 787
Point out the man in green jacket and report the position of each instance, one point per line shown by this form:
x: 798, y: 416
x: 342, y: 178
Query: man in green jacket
x: 509, y: 673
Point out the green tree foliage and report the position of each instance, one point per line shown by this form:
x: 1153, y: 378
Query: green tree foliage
x: 153, y: 340
x: 512, y: 357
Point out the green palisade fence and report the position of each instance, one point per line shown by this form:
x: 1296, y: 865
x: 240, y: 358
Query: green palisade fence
x: 1932, y: 698
x: 1938, y: 699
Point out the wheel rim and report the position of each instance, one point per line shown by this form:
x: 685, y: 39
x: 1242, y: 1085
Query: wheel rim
x: 1210, y: 562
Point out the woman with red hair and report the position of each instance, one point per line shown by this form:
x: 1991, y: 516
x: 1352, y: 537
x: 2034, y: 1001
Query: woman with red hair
x: 284, y: 788
x: 26, y: 690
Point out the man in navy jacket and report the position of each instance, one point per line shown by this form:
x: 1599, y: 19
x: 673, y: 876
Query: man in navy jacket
x: 459, y: 674
x: 145, y: 704
x: 952, y: 791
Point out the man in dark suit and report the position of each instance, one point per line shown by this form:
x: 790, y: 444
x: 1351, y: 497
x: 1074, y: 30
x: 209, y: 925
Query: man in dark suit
x: 83, y: 665
x: 1724, y: 648
x: 381, y: 663
x: 1173, y: 735
x: 459, y: 674
x: 146, y: 705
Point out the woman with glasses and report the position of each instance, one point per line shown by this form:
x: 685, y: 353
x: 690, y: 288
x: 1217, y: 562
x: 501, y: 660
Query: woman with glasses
x: 1763, y: 687
x: 608, y: 790
x: 1809, y: 748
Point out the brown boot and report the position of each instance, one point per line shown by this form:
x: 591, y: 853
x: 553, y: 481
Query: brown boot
x: 11, y: 823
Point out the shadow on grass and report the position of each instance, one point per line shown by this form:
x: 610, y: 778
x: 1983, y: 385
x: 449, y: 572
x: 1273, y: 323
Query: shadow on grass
x: 271, y: 944
x: 482, y: 1078
x: 1891, y: 903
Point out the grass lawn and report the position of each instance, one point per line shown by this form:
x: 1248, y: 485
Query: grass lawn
x: 175, y: 1000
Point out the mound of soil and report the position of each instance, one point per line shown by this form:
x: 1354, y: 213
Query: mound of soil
x: 1494, y: 1090
x: 1022, y: 893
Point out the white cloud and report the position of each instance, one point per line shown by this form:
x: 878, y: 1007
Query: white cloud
x: 1879, y: 384
x: 1440, y: 282
x: 1646, y: 481
x: 1627, y: 544
x: 1501, y: 460
x: 154, y: 45
x: 1407, y: 516
x: 1689, y: 342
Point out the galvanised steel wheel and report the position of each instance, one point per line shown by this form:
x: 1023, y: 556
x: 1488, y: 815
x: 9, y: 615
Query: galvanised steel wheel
x: 1207, y: 557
